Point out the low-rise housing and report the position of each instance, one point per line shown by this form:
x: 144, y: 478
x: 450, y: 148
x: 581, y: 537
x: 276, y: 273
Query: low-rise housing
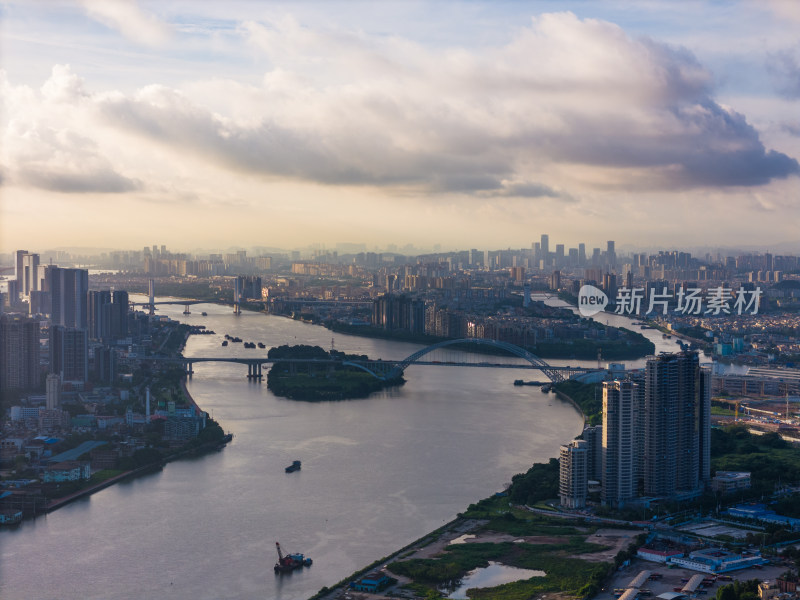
x: 658, y: 556
x: 67, y: 471
x: 730, y: 481
x: 717, y: 560
x: 372, y: 582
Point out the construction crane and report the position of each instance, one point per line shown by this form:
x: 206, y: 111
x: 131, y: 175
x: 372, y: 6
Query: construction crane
x: 290, y: 562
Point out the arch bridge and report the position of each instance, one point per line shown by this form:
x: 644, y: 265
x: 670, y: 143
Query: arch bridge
x: 391, y: 369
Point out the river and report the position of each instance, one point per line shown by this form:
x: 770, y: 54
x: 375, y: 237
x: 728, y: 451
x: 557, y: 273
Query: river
x: 377, y: 474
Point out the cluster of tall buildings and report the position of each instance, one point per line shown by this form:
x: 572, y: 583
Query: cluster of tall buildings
x: 558, y: 256
x: 76, y: 317
x: 655, y: 439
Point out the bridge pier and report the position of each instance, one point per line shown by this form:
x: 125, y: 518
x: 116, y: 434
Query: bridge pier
x: 186, y: 310
x: 189, y: 368
x: 254, y: 371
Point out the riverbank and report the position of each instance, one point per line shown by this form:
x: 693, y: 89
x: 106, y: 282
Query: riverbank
x: 88, y: 491
x: 486, y: 526
x: 52, y: 495
x: 580, y: 349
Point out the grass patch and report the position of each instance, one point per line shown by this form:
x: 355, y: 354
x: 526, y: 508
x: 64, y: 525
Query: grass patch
x: 534, y: 526
x: 562, y: 572
x: 588, y: 396
x: 103, y: 475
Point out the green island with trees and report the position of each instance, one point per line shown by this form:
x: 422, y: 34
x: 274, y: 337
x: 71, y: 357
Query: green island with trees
x: 327, y: 380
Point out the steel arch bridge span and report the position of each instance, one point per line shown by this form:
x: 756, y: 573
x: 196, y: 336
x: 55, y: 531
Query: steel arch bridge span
x: 377, y: 374
x: 553, y: 375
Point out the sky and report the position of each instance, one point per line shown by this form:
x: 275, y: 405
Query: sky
x: 211, y: 124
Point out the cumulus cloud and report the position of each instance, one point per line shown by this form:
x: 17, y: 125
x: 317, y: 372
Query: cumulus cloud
x: 343, y: 108
x: 41, y: 146
x: 129, y: 19
x: 566, y: 105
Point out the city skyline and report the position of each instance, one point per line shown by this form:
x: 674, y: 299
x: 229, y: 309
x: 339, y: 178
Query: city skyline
x: 464, y: 124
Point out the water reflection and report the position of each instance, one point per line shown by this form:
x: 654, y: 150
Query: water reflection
x: 492, y: 576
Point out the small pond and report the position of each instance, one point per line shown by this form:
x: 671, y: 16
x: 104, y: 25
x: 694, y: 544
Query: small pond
x: 493, y: 575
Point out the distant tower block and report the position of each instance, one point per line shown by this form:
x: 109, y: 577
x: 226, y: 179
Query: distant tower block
x: 151, y: 284
x: 237, y: 295
x: 147, y: 406
x: 53, y: 391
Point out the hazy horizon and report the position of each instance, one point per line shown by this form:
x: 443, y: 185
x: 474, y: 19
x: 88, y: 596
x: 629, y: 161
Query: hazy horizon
x: 464, y: 124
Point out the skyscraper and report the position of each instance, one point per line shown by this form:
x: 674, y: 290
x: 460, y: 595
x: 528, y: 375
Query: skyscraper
x: 611, y: 254
x: 19, y: 271
x: 53, y: 389
x: 19, y: 353
x: 545, y: 246
x: 573, y: 480
x: 119, y: 314
x: 69, y: 291
x: 30, y: 272
x: 619, y: 481
x: 559, y: 255
x: 704, y: 437
x: 676, y: 424
x: 594, y: 441
x: 69, y: 353
x: 99, y: 314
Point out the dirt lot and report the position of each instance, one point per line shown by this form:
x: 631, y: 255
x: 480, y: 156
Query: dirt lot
x: 672, y: 578
x: 618, y: 539
x: 464, y: 535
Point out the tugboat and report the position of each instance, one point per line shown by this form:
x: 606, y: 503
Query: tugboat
x: 261, y: 345
x: 205, y: 314
x: 295, y: 466
x: 290, y: 562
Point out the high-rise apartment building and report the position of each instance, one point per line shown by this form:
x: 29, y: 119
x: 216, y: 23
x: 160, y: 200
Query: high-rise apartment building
x: 53, y: 390
x: 69, y: 290
x: 19, y: 271
x: 107, y: 314
x: 119, y: 314
x: 19, y: 353
x: 69, y: 353
x: 26, y: 273
x: 545, y: 247
x: 98, y: 314
x: 619, y: 481
x: 704, y: 437
x: 676, y: 424
x: 30, y: 272
x: 573, y: 480
x: 594, y: 441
